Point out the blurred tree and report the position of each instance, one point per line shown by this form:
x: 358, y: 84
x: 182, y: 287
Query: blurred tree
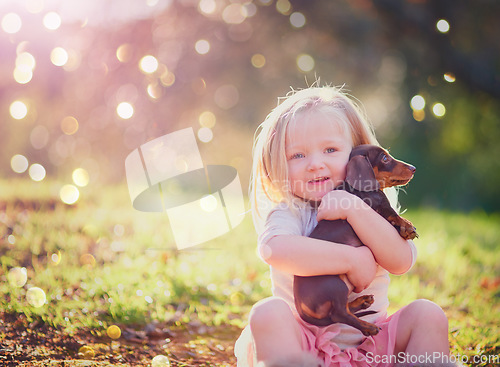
x: 459, y: 68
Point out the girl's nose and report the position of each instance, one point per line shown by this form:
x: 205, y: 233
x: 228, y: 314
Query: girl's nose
x: 315, y: 163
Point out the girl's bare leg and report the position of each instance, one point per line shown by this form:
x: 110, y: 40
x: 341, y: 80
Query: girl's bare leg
x: 275, y: 330
x: 423, y: 331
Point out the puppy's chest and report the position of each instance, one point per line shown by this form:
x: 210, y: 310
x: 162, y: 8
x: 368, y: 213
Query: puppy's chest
x: 373, y: 198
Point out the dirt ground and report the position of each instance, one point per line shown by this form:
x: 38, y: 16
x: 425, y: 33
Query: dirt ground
x: 36, y: 344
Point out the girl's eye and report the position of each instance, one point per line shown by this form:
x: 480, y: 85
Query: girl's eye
x: 330, y: 150
x: 297, y: 155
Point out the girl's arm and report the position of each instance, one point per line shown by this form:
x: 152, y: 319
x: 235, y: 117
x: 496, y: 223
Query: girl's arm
x: 390, y: 250
x: 306, y: 256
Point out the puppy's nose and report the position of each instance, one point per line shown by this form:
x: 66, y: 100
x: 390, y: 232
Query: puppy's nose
x: 412, y: 168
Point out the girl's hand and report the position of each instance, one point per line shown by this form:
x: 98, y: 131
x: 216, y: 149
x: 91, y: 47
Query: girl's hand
x: 338, y: 204
x: 363, y: 269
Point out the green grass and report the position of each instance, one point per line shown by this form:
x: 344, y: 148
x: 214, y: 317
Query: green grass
x: 100, y: 262
x: 458, y: 268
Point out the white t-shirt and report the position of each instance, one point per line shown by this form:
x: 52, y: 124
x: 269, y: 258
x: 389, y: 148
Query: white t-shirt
x: 283, y: 221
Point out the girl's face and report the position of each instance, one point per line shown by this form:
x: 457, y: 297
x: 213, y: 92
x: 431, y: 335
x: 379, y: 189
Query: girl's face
x: 317, y: 152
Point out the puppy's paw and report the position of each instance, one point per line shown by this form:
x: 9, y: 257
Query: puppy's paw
x: 367, y: 301
x: 370, y: 329
x: 361, y: 303
x: 405, y: 228
x: 408, y: 233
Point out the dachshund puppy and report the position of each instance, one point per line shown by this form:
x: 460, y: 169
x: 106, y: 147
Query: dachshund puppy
x: 322, y: 300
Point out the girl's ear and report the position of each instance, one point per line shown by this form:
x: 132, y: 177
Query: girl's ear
x: 360, y: 175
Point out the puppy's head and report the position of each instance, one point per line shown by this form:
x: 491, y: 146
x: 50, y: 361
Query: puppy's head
x: 371, y: 168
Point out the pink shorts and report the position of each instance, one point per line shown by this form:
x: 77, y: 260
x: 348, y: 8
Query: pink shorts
x: 373, y: 351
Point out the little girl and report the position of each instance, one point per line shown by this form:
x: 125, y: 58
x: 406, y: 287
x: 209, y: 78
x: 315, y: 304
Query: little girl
x: 300, y: 156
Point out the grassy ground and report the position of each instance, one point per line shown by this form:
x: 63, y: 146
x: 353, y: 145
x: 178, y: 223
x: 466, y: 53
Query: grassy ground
x: 101, y: 263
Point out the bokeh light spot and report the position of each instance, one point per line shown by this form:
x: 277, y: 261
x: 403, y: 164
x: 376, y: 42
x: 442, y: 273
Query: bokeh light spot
x: 199, y: 86
x: 19, y: 163
x: 80, y: 177
x: 283, y: 6
x: 124, y: 52
x: 207, y: 119
x: 208, y: 203
x: 56, y: 258
x: 36, y: 297
x: 11, y: 23
x: 160, y: 361
x: 39, y: 137
x: 258, y: 61
x: 125, y: 110
x: 69, y: 194
x: 86, y: 352
x: 226, y: 96
x: 18, y: 110
x: 17, y: 277
x: 234, y: 14
x: 202, y: 47
x: 25, y: 63
x: 154, y: 90
x: 237, y: 298
x: 205, y: 134
x: 443, y: 26
x: 22, y: 74
x: 167, y: 79
x: 74, y: 61
x: 298, y: 20
x: 34, y: 6
x: 449, y: 77
x: 251, y: 9
x: 26, y: 59
x: 207, y: 6
x: 69, y: 125
x: 59, y: 56
x: 148, y: 64
x: 114, y: 332
x: 88, y: 259
x: 37, y: 172
x: 181, y: 165
x: 52, y: 21
x: 438, y: 109
x: 119, y: 230
x: 418, y: 115
x: 305, y: 62
x: 417, y: 102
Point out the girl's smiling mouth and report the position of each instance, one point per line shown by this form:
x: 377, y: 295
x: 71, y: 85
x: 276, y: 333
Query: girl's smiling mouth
x: 318, y: 180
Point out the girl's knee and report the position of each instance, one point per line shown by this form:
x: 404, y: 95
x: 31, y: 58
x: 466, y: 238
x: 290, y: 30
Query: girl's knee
x: 269, y: 312
x: 428, y: 313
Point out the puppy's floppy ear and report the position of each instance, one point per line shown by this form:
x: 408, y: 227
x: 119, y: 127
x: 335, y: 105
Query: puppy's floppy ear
x: 360, y: 175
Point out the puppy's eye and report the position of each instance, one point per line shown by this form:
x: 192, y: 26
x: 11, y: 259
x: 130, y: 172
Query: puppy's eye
x: 385, y: 158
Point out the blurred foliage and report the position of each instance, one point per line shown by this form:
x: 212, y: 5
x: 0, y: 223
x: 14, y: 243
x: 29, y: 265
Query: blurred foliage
x: 384, y: 51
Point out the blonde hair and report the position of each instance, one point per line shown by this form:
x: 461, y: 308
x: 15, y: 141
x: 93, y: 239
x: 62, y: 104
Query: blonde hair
x: 269, y: 182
